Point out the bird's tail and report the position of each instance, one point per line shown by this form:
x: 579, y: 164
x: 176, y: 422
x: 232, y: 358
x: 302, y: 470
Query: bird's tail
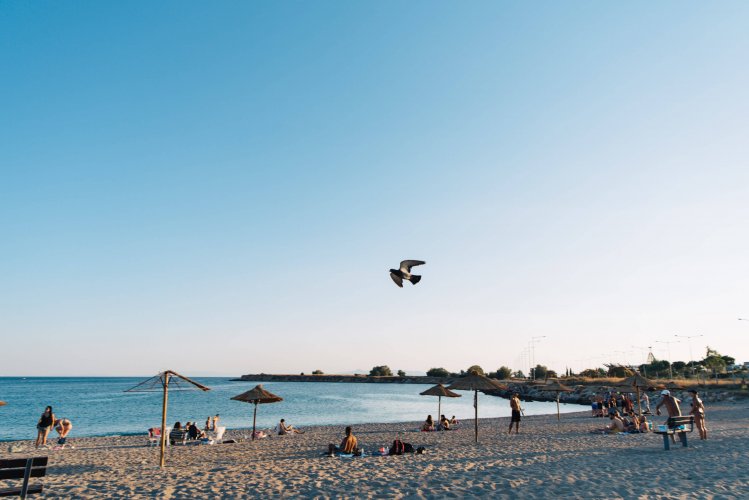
x: 415, y: 279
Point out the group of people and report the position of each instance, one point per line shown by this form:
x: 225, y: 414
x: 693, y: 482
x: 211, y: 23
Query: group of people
x: 44, y: 426
x: 610, y: 402
x: 443, y: 425
x: 629, y: 421
x: 192, y: 429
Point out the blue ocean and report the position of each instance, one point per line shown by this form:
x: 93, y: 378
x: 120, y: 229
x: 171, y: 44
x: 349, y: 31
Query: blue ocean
x: 100, y: 406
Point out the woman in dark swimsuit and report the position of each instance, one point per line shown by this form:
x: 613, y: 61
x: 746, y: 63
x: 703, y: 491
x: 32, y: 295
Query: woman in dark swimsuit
x: 44, y: 426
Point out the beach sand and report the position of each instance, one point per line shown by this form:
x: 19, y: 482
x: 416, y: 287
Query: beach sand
x: 546, y: 460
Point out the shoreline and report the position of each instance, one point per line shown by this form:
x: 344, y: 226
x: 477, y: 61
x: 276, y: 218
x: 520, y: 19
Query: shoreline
x: 548, y: 459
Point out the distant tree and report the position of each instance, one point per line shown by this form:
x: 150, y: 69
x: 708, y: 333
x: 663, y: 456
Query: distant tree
x: 317, y: 372
x: 589, y: 373
x: 714, y: 361
x: 504, y: 373
x: 401, y: 373
x: 302, y: 374
x: 551, y: 374
x: 518, y: 374
x: 381, y: 371
x: 438, y: 372
x: 539, y: 372
x: 475, y: 368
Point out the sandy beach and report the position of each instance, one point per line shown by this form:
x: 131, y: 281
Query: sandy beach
x: 546, y: 460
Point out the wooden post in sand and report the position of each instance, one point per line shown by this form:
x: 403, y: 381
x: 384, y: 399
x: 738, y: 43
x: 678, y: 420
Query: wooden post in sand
x: 476, y: 408
x: 254, y: 415
x: 162, y: 460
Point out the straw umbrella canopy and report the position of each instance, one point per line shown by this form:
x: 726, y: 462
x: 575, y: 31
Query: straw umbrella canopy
x: 164, y: 381
x: 476, y: 382
x: 559, y: 388
x: 638, y: 382
x: 256, y: 396
x: 439, y: 390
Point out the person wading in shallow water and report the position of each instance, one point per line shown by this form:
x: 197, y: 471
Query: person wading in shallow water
x: 515, y: 407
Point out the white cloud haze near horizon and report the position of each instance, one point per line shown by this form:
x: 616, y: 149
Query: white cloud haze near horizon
x: 221, y: 189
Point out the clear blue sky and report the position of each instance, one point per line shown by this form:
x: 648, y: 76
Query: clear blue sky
x: 221, y: 187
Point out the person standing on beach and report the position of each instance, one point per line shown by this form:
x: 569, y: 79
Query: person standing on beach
x: 672, y: 406
x: 214, y: 425
x: 698, y: 410
x: 44, y: 426
x: 515, y: 407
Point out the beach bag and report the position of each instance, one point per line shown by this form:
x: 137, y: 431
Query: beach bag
x: 398, y: 448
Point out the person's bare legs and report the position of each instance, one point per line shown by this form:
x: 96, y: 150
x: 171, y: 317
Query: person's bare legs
x: 43, y: 435
x: 38, y: 438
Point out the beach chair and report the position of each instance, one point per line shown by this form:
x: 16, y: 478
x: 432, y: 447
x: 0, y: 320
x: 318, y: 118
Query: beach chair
x: 216, y: 437
x: 178, y: 436
x: 154, y: 436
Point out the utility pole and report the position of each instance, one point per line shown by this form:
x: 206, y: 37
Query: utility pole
x: 689, y: 341
x: 532, y: 345
x: 668, y: 348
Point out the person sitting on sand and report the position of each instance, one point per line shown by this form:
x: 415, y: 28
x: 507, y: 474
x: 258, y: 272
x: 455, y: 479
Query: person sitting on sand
x: 631, y: 422
x: 454, y: 421
x: 284, y: 429
x: 348, y: 445
x: 193, y: 432
x: 444, y: 423
x: 644, y: 424
x: 428, y: 425
x: 616, y: 425
x: 63, y: 426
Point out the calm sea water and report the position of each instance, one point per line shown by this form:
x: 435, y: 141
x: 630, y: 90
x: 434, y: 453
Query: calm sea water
x: 99, y: 407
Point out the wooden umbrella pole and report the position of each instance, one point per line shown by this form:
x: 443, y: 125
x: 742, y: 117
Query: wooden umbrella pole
x: 476, y: 408
x: 439, y: 408
x: 639, y: 407
x: 254, y: 415
x: 163, y: 421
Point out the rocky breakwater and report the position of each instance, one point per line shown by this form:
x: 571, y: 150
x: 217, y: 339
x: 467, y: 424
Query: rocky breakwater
x: 357, y: 379
x: 586, y: 394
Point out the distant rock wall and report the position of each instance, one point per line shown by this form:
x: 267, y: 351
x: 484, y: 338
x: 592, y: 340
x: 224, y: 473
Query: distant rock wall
x: 357, y: 379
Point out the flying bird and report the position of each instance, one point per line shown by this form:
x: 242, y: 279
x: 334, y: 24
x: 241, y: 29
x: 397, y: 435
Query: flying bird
x: 404, y: 273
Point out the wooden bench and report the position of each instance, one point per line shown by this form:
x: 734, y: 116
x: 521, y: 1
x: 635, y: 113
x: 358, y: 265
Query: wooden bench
x: 676, y: 425
x: 22, y: 468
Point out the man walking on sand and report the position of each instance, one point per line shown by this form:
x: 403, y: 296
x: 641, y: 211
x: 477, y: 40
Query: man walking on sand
x: 515, y: 406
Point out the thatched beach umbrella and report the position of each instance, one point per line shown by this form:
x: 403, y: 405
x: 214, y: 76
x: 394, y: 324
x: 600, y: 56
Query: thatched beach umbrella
x: 638, y: 382
x: 557, y: 387
x: 164, y: 381
x: 257, y: 396
x: 475, y: 382
x: 440, y: 390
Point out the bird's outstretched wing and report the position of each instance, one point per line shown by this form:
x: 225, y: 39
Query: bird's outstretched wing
x: 406, y: 265
x: 397, y: 279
